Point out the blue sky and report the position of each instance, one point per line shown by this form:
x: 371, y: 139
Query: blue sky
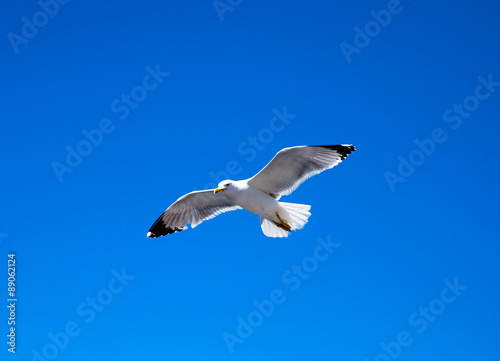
x: 114, y: 110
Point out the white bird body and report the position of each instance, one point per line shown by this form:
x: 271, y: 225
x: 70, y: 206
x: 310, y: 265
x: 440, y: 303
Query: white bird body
x: 277, y: 218
x: 258, y: 195
x: 252, y: 199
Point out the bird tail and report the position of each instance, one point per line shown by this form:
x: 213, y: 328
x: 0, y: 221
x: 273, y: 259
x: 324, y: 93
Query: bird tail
x: 294, y: 217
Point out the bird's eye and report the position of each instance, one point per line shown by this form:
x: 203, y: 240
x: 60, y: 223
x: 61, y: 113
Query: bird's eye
x: 226, y: 185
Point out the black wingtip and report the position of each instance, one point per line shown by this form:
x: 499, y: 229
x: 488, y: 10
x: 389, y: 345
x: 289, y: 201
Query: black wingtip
x: 160, y: 229
x: 343, y: 149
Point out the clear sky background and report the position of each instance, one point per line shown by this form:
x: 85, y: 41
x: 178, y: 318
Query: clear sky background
x: 173, y: 95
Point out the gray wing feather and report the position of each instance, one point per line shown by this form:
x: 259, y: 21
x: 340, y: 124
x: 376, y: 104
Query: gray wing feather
x: 290, y: 167
x: 193, y: 208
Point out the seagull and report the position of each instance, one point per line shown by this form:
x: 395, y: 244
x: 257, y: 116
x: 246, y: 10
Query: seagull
x: 259, y: 195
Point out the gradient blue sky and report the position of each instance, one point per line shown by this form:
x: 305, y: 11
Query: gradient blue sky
x: 416, y: 244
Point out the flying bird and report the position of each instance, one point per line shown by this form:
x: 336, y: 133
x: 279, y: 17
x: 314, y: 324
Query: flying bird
x: 289, y: 168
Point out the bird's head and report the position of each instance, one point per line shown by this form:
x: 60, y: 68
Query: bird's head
x: 225, y: 184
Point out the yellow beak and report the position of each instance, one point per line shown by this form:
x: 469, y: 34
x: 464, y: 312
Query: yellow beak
x: 217, y: 190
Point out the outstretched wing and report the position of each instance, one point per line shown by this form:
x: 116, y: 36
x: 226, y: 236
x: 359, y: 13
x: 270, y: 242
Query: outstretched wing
x: 290, y: 167
x: 194, y: 208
